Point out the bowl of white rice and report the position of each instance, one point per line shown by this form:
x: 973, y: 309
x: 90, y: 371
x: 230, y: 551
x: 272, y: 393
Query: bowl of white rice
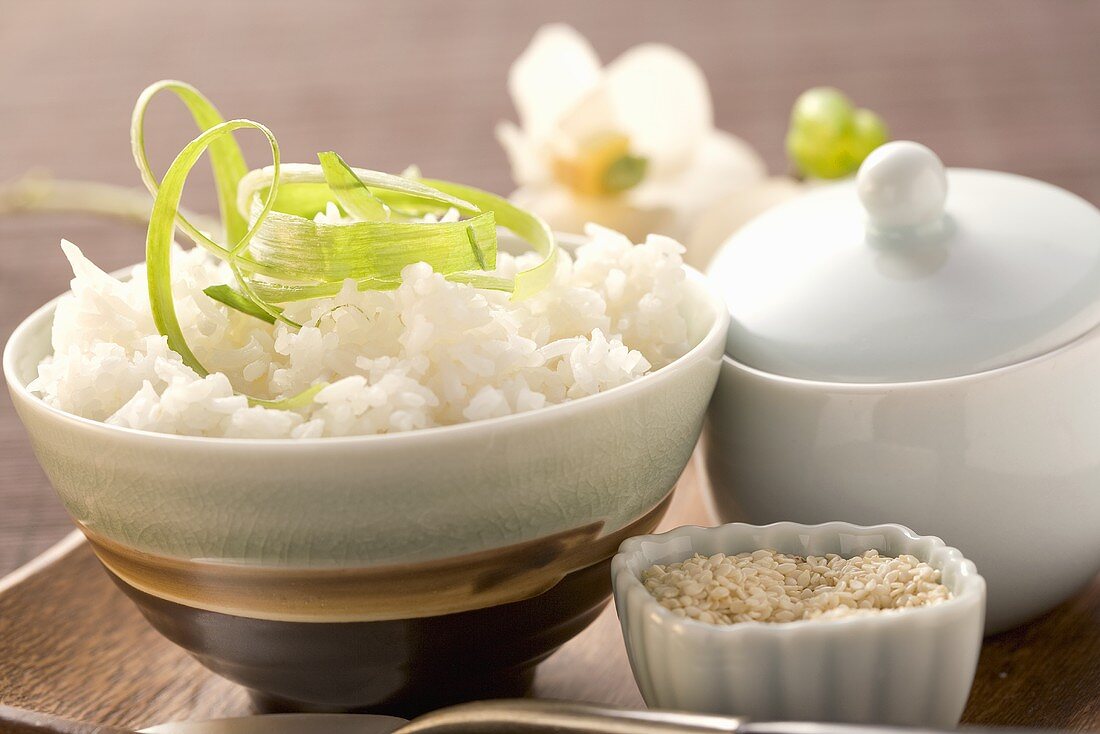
x: 440, y: 516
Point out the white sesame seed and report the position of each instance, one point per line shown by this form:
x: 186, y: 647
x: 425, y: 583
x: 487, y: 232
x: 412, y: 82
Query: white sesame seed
x: 768, y: 586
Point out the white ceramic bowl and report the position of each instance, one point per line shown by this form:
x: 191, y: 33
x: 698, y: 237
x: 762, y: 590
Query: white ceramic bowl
x: 912, y: 667
x: 1003, y: 464
x: 371, y: 558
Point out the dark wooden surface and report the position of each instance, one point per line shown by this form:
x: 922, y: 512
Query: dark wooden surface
x: 73, y: 645
x: 1010, y: 85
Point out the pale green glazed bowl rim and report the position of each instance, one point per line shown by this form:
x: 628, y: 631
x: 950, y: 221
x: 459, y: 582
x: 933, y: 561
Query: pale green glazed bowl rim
x: 700, y: 286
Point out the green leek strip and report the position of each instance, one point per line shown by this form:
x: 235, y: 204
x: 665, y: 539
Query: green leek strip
x: 380, y: 184
x: 158, y: 248
x: 290, y: 292
x: 303, y: 200
x: 278, y: 245
x: 271, y: 310
x: 296, y: 402
x: 483, y: 281
x: 234, y: 299
x: 158, y: 244
x: 226, y: 159
x: 350, y: 191
x: 529, y: 227
x: 303, y: 250
x: 479, y: 253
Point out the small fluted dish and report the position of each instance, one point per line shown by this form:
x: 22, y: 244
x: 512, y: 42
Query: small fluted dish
x: 911, y: 667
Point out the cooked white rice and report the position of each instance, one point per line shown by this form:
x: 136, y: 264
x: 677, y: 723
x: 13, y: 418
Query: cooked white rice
x: 427, y: 354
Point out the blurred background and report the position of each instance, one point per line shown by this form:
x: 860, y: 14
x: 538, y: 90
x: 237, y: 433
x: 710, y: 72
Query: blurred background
x: 1009, y: 85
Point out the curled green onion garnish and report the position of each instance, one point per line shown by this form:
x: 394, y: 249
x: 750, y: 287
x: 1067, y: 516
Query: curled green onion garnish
x: 158, y: 243
x: 525, y: 225
x: 237, y: 300
x: 297, y: 402
x: 226, y: 158
x: 279, y: 241
x: 406, y: 194
x: 301, y: 249
x: 280, y: 251
x: 350, y: 191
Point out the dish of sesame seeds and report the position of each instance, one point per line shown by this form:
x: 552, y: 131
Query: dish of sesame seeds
x: 768, y: 586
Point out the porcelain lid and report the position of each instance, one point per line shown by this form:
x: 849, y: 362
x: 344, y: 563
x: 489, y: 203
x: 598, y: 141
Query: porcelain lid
x: 911, y: 272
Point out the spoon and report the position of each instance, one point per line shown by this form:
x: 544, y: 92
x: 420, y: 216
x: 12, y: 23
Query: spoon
x: 520, y: 716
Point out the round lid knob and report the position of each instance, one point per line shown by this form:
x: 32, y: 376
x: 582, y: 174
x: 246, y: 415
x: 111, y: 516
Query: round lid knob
x: 903, y: 186
x: 911, y: 272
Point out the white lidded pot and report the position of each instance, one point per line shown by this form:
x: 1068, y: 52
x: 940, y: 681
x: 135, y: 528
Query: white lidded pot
x: 920, y: 346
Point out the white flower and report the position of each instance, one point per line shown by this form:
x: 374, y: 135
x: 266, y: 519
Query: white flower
x: 631, y: 146
x: 734, y: 210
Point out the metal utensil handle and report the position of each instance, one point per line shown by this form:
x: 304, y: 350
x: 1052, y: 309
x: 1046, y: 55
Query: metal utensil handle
x: 522, y: 716
x: 554, y: 717
x: 813, y: 727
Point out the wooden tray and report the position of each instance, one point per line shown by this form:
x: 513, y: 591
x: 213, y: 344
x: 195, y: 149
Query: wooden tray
x: 71, y: 644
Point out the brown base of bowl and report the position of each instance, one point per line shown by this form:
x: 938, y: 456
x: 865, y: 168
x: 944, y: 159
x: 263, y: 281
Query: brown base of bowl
x: 398, y: 667
x: 507, y: 684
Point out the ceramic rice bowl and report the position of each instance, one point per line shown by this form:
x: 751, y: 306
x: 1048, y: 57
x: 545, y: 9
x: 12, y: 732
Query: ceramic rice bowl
x: 393, y: 572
